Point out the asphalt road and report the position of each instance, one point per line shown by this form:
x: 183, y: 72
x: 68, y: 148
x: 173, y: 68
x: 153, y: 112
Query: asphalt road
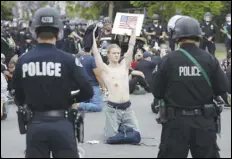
x: 13, y: 144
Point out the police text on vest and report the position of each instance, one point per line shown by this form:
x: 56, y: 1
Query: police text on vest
x: 189, y: 71
x: 47, y: 69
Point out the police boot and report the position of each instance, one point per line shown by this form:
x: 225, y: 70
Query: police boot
x: 154, y: 108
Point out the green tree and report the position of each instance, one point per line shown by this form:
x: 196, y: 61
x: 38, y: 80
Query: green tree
x: 84, y: 9
x: 194, y: 9
x: 6, y: 13
x: 93, y: 9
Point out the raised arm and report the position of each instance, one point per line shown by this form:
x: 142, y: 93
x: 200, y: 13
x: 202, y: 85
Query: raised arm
x: 98, y: 59
x: 128, y: 57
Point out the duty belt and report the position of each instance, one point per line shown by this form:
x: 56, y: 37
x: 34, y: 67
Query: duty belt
x: 51, y: 113
x: 194, y: 112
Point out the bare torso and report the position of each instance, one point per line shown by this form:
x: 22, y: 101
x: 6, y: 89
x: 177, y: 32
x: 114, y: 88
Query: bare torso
x: 117, y: 83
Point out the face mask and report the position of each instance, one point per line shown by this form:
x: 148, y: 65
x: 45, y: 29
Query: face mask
x: 228, y: 19
x: 207, y: 19
x: 24, y: 25
x: 155, y: 22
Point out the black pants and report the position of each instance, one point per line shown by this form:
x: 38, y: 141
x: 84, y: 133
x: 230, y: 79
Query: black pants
x: 228, y: 45
x: 189, y: 132
x: 209, y: 44
x: 138, y: 79
x: 51, y: 134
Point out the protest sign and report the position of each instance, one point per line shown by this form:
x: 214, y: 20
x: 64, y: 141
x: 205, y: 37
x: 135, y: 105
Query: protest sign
x: 124, y: 20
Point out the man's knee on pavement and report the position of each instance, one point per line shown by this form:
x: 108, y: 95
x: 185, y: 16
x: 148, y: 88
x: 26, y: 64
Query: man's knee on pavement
x: 121, y: 131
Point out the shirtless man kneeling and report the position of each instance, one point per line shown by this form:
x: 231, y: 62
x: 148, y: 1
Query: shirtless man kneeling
x: 119, y: 115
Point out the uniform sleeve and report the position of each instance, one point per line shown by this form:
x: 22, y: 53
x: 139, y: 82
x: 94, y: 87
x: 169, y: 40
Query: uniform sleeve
x: 214, y: 30
x: 81, y: 79
x: 159, y: 79
x: 201, y: 26
x: 164, y: 28
x: 147, y: 28
x: 219, y: 81
x: 17, y: 85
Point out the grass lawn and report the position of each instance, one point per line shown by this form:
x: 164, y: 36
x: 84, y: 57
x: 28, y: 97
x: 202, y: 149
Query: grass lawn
x: 220, y: 55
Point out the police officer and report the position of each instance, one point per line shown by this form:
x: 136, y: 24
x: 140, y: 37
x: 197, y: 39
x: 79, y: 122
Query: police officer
x: 43, y: 80
x: 185, y: 92
x: 226, y: 29
x: 209, y: 34
x: 155, y: 31
x: 22, y: 33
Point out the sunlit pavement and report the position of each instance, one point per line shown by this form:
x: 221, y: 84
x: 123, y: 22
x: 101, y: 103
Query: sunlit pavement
x: 13, y: 144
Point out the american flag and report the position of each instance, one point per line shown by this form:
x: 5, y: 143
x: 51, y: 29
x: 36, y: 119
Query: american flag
x: 126, y: 21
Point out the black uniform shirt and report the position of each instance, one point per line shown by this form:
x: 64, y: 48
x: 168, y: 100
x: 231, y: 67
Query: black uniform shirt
x: 67, y: 31
x: 158, y: 29
x: 209, y: 29
x: 180, y: 83
x: 45, y: 77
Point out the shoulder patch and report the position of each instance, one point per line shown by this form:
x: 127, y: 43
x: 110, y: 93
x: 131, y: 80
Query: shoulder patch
x: 211, y: 26
x: 78, y: 63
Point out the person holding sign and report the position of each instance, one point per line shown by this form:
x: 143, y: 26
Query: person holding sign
x: 226, y: 29
x: 121, y: 124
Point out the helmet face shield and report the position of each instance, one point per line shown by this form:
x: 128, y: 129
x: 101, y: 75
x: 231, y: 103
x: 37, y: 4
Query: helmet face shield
x: 208, y: 17
x: 155, y: 21
x: 14, y: 24
x: 172, y: 22
x: 228, y: 18
x: 24, y: 25
x: 184, y: 27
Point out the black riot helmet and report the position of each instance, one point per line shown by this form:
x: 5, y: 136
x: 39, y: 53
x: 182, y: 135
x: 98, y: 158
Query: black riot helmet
x: 228, y: 17
x: 184, y: 27
x: 101, y: 18
x: 23, y: 24
x: 208, y: 17
x: 107, y: 20
x: 155, y: 17
x: 47, y: 19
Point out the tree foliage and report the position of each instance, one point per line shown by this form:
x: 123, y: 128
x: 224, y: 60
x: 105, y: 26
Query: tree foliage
x: 93, y: 9
x: 6, y: 12
x: 194, y: 9
x: 89, y: 10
